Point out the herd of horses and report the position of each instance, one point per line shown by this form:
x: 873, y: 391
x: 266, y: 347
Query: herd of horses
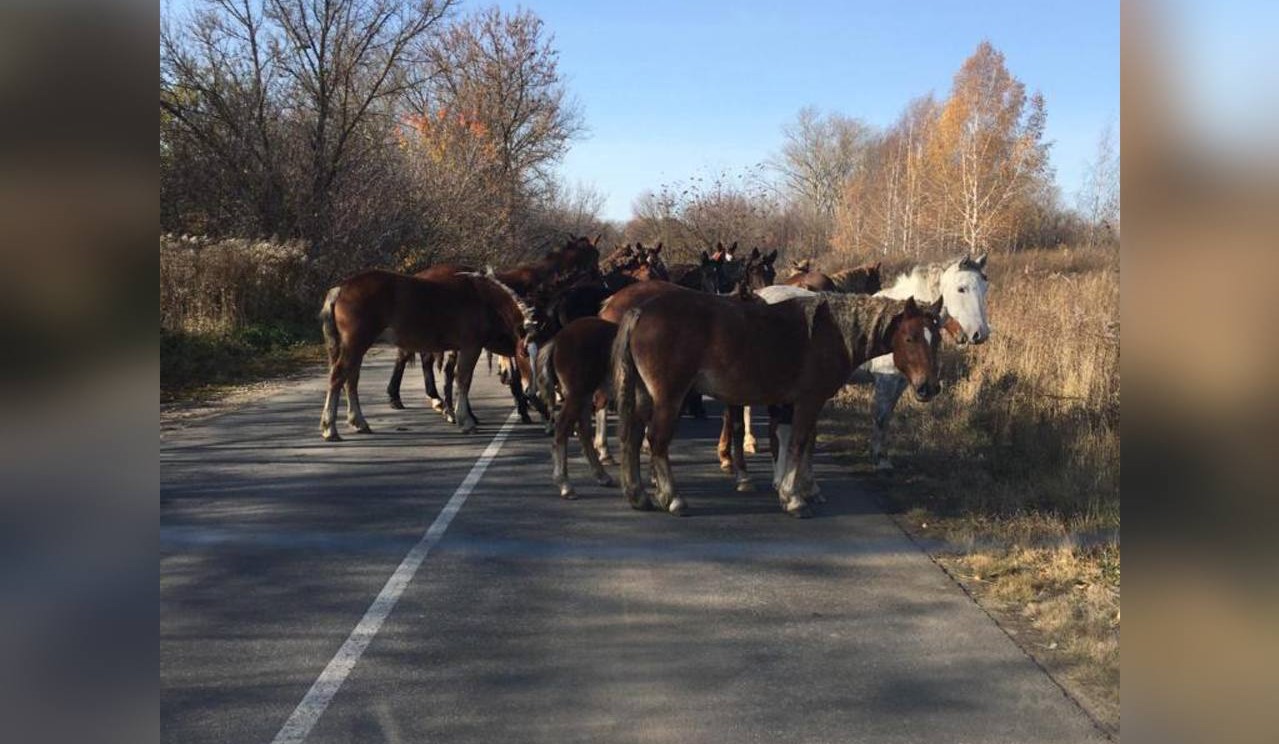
x: 577, y: 334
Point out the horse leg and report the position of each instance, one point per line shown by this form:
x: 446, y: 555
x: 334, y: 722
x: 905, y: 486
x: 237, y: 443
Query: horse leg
x: 601, y: 436
x: 792, y: 493
x: 559, y: 446
x: 738, y: 449
x: 781, y: 419
x: 748, y: 439
x: 428, y: 377
x: 521, y: 402
x: 337, y: 378
x: 354, y: 415
x: 724, y: 448
x: 808, y: 482
x: 465, y: 361
x: 632, y: 436
x: 450, y: 366
x: 503, y: 370
x: 588, y: 451
x: 888, y: 390
x: 397, y: 375
x: 661, y: 430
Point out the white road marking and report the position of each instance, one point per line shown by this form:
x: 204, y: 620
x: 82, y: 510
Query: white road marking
x: 308, y: 712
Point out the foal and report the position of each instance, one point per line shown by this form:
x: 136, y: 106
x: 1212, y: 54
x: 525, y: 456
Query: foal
x: 799, y: 354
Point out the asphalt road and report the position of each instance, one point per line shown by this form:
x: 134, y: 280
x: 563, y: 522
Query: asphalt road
x: 533, y: 619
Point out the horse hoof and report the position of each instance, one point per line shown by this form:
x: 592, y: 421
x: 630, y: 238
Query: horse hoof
x: 607, y: 459
x: 726, y: 466
x: 567, y: 492
x: 524, y: 419
x: 884, y: 466
x: 469, y: 428
x: 749, y: 446
x: 437, y: 405
x: 396, y: 403
x: 449, y: 417
x: 639, y: 501
x: 604, y: 479
x: 678, y: 507
x: 361, y: 428
x: 330, y: 436
x: 745, y: 486
x: 798, y: 509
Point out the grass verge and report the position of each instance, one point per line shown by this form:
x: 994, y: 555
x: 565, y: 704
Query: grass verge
x: 197, y: 367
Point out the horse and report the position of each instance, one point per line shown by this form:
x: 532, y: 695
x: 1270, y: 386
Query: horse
x: 577, y: 255
x: 464, y: 312
x: 961, y: 285
x: 803, y: 275
x: 447, y: 360
x: 796, y: 353
x: 864, y: 279
x: 576, y: 361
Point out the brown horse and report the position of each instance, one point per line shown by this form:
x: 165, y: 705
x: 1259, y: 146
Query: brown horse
x: 576, y: 362
x: 864, y: 279
x: 803, y: 275
x: 465, y: 313
x: 796, y: 353
x: 446, y: 361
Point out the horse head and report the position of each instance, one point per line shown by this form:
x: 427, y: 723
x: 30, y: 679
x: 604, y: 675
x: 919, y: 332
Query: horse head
x: 963, y: 291
x: 915, y: 339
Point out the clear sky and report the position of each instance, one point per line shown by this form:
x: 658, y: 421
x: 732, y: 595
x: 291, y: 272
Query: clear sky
x: 669, y: 89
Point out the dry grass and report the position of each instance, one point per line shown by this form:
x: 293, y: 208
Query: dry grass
x: 1015, y: 467
x: 231, y: 312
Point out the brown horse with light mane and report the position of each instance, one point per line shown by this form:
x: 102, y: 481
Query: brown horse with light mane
x: 796, y: 353
x: 464, y: 312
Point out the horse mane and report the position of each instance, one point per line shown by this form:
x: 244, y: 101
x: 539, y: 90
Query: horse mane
x: 525, y: 312
x: 862, y: 319
x: 845, y: 279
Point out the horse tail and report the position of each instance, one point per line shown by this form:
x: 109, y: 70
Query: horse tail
x: 489, y: 355
x: 624, y: 372
x: 329, y: 325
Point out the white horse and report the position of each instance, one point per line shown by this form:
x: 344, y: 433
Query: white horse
x: 961, y: 284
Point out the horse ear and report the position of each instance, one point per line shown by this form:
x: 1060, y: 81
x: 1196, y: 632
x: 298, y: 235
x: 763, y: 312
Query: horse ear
x: 596, y: 242
x: 980, y: 261
x: 879, y: 265
x: 706, y: 257
x: 912, y: 309
x: 935, y: 308
x: 754, y: 254
x: 771, y: 257
x: 658, y: 249
x: 733, y: 248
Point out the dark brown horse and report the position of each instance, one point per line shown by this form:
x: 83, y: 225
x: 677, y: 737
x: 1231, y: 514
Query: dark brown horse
x: 465, y: 313
x: 576, y: 363
x: 796, y: 353
x: 864, y: 279
x: 429, y: 361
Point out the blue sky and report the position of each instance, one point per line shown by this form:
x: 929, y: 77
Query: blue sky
x: 670, y: 89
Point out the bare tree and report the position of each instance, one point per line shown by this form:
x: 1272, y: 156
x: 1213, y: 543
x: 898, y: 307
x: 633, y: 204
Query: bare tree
x: 501, y: 71
x: 1098, y: 199
x: 819, y: 155
x: 293, y: 104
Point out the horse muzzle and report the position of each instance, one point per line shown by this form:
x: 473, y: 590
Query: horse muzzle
x: 927, y: 391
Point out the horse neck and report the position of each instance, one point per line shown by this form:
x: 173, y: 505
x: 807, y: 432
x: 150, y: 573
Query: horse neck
x: 921, y: 282
x: 866, y: 323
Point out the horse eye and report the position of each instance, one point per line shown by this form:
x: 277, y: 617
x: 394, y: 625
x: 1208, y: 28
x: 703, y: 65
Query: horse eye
x: 963, y: 290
